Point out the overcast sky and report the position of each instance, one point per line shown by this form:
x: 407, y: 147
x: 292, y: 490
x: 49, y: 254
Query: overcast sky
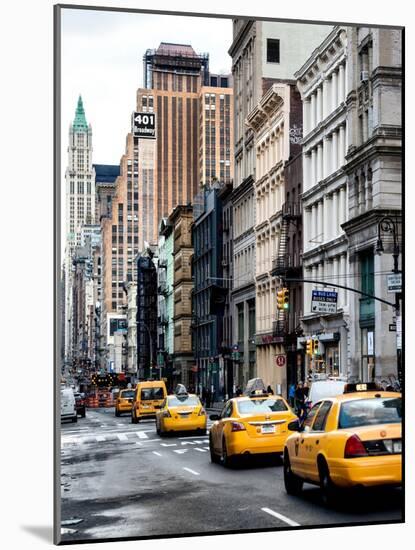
x: 102, y: 56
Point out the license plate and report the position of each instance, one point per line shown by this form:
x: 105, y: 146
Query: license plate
x: 145, y: 406
x: 270, y: 429
x: 397, y: 446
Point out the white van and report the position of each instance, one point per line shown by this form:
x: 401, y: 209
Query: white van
x: 68, y: 408
x: 320, y: 389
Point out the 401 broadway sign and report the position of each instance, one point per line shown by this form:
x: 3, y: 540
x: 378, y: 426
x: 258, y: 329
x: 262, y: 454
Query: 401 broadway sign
x: 323, y: 301
x: 144, y: 125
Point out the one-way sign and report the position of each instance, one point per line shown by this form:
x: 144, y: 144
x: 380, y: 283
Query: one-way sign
x: 323, y: 301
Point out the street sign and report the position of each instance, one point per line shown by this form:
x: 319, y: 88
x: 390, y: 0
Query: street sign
x: 394, y: 282
x: 323, y: 301
x: 392, y: 327
x: 281, y: 360
x: 144, y: 125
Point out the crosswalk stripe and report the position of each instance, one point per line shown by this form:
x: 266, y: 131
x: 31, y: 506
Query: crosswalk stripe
x: 156, y: 453
x: 122, y: 437
x: 180, y: 451
x: 100, y: 438
x: 142, y: 435
x: 168, y: 444
x: 200, y: 450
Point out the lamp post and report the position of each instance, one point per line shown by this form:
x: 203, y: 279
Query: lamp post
x: 388, y: 226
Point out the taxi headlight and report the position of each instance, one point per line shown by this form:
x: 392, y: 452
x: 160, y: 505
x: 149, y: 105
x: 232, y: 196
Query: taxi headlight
x: 202, y: 412
x: 166, y: 414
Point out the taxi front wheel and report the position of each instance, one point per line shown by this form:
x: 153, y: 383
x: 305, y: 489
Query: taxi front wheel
x: 293, y: 484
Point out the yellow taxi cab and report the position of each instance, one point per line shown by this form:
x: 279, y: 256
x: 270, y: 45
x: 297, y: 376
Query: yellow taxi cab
x: 351, y: 440
x: 256, y: 423
x: 124, y: 402
x: 181, y: 412
x: 148, y: 399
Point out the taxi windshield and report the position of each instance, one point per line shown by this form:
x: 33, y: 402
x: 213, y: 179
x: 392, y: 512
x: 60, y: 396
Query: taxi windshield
x: 147, y: 394
x: 253, y: 406
x: 127, y: 394
x: 369, y: 412
x: 187, y: 400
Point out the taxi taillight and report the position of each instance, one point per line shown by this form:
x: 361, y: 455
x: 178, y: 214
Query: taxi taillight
x: 237, y: 427
x: 354, y: 447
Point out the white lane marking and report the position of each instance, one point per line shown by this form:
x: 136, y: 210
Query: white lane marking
x: 207, y: 448
x: 168, y: 444
x: 142, y: 435
x: 200, y: 450
x: 188, y: 442
x: 191, y: 471
x: 118, y: 424
x: 281, y: 517
x: 138, y: 443
x: 180, y: 451
x: 190, y: 437
x: 122, y: 437
x: 100, y: 438
x: 156, y: 453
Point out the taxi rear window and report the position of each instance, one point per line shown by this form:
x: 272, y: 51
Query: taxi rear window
x: 261, y: 405
x: 369, y: 412
x: 190, y: 400
x: 147, y: 394
x: 127, y: 394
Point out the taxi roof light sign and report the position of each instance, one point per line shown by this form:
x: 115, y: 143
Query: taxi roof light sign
x: 367, y: 386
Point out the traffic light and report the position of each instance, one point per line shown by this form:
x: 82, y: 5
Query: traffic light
x: 309, y: 347
x: 286, y: 295
x: 316, y: 350
x: 280, y: 299
x: 283, y: 298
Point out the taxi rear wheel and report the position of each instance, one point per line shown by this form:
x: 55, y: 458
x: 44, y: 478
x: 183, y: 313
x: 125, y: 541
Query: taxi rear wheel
x: 117, y: 413
x: 328, y: 489
x: 134, y: 419
x: 213, y: 456
x: 293, y: 484
x: 226, y: 459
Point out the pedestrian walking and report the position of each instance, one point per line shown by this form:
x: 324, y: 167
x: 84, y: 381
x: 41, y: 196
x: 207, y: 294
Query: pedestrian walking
x: 238, y: 392
x: 204, y: 393
x: 291, y: 394
x: 299, y: 398
x: 269, y: 390
x: 208, y: 397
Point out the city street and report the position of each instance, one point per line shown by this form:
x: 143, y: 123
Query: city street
x: 122, y: 480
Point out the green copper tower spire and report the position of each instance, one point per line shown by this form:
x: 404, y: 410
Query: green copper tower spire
x: 79, y: 124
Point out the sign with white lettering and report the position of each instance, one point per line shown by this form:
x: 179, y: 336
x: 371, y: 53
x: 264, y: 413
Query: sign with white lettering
x: 323, y: 301
x: 395, y: 282
x: 144, y: 125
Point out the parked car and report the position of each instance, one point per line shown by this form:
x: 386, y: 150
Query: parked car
x: 80, y: 404
x: 68, y: 407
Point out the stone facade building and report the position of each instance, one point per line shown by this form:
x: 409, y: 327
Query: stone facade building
x: 373, y: 167
x: 276, y: 118
x: 322, y: 83
x: 262, y: 52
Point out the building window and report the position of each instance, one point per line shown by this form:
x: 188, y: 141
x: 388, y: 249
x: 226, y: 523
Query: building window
x: 273, y: 50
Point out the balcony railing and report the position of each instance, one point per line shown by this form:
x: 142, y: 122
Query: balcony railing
x: 287, y: 262
x: 292, y: 210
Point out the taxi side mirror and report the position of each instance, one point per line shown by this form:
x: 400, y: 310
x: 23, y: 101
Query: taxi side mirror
x: 214, y: 417
x: 295, y: 426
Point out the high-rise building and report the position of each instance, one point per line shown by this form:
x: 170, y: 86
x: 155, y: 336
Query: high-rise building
x: 80, y: 202
x: 262, y: 52
x: 194, y: 132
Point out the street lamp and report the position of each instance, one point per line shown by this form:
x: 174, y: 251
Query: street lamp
x: 387, y: 225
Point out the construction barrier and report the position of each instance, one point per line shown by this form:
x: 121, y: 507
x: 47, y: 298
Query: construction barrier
x: 92, y: 402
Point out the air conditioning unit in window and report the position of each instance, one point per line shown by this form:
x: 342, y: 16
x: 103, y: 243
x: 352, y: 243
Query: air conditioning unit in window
x: 364, y: 76
x: 224, y: 263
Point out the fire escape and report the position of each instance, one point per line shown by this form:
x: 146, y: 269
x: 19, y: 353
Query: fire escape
x: 287, y: 263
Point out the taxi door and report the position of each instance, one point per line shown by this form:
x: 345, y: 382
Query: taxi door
x: 221, y: 423
x: 300, y: 462
x: 316, y: 440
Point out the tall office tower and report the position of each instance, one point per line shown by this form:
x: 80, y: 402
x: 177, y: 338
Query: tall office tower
x: 80, y: 203
x: 263, y: 52
x: 169, y: 169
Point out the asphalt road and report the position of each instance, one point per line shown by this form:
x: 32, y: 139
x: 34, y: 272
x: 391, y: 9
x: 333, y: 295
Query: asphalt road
x: 122, y: 480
